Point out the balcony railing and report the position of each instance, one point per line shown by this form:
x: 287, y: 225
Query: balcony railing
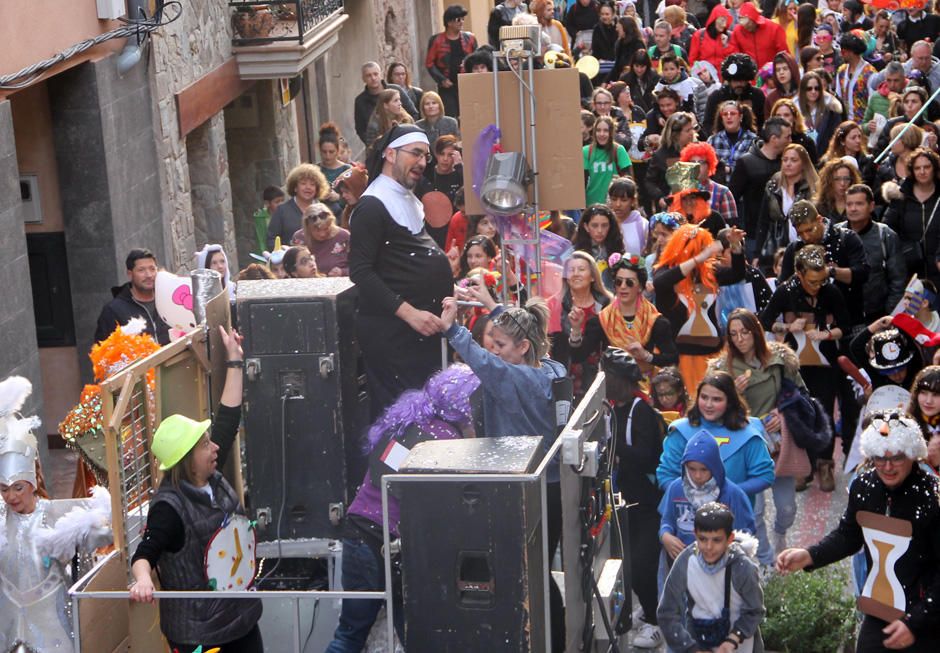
x: 279, y: 20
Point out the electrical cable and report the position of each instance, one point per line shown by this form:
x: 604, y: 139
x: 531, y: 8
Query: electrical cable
x: 30, y: 74
x: 313, y: 622
x: 280, y: 513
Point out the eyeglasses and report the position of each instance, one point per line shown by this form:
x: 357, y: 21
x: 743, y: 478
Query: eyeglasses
x: 601, y: 103
x: 882, y: 461
x: 743, y: 333
x: 625, y: 281
x: 418, y: 154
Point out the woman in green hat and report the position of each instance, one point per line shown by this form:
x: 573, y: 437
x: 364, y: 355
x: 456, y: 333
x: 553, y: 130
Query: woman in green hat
x: 194, y: 500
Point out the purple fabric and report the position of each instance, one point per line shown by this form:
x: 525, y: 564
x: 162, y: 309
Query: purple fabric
x: 368, y: 501
x: 481, y: 154
x: 446, y: 396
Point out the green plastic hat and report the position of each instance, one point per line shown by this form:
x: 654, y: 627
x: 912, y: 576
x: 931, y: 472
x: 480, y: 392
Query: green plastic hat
x: 175, y: 437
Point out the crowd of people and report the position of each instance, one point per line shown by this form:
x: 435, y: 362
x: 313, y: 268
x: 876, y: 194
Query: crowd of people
x: 758, y: 254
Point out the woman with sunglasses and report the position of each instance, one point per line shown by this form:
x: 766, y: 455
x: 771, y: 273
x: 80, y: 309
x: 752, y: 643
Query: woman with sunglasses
x: 814, y: 316
x: 821, y: 112
x: 328, y: 243
x: 686, y: 280
x: 630, y: 322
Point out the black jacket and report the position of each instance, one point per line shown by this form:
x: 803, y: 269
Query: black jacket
x: 845, y: 249
x: 915, y: 500
x: 748, y: 183
x: 604, y: 42
x: 365, y: 103
x: 918, y: 227
x: 887, y: 275
x: 773, y: 228
x: 124, y: 307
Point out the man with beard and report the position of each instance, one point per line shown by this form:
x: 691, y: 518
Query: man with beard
x: 738, y: 72
x: 134, y: 299
x: 401, y: 273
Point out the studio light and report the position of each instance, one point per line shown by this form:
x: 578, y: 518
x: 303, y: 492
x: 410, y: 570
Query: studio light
x: 505, y: 185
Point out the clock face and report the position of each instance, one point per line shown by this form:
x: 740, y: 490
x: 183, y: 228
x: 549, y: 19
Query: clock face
x: 230, y: 557
x: 891, y: 351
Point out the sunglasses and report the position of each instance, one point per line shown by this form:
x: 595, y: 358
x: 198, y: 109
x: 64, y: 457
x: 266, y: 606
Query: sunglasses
x: 624, y: 281
x: 812, y: 88
x: 319, y: 217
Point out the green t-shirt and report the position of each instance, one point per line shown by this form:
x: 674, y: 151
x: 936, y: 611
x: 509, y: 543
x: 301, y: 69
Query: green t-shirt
x: 601, y: 171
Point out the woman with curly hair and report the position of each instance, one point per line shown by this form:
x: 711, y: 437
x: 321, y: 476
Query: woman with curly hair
x: 686, y: 282
x: 306, y: 184
x: 848, y: 140
x: 630, y: 322
x: 599, y: 235
x: 834, y: 180
x: 786, y: 108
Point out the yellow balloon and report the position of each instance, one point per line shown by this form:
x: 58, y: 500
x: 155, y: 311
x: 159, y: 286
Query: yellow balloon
x: 589, y: 65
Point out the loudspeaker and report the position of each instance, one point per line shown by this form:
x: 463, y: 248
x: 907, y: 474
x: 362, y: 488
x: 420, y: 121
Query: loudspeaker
x: 305, y: 404
x: 471, y: 550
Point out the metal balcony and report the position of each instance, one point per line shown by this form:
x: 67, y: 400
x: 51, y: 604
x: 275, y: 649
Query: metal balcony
x: 282, y: 37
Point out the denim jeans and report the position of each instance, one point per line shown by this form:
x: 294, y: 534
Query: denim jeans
x: 363, y: 569
x: 784, y: 493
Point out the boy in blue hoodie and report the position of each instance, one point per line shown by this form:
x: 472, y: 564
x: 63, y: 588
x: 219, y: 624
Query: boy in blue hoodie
x: 702, y: 480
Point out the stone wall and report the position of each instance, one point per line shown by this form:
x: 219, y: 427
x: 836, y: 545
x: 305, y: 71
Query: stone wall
x: 182, y: 52
x: 111, y: 196
x: 260, y: 154
x: 211, y: 191
x: 18, y: 352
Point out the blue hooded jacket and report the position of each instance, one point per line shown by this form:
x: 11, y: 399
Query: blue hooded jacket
x: 678, y: 515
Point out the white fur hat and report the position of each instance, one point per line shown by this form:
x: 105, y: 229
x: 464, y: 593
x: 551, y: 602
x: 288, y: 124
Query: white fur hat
x: 895, y: 432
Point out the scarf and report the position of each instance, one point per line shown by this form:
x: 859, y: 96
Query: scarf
x: 620, y: 335
x: 699, y: 495
x: 405, y: 209
x: 712, y: 569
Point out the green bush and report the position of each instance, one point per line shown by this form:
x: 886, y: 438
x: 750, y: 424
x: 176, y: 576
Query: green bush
x: 809, y: 612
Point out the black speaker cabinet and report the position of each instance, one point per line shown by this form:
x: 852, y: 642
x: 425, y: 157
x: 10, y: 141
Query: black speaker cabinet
x: 302, y: 364
x: 471, y: 550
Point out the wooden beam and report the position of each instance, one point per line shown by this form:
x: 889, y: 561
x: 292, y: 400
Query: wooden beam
x: 208, y: 95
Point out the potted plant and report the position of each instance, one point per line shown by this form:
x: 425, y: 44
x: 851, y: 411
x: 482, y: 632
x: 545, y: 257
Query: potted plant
x: 809, y: 612
x: 253, y: 21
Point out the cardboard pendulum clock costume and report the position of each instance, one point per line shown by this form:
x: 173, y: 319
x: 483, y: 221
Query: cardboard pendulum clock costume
x: 887, y: 538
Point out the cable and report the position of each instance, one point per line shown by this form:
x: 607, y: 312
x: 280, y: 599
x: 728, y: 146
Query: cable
x: 30, y: 74
x: 313, y: 622
x: 280, y: 513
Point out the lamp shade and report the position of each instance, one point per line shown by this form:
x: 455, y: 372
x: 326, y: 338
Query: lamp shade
x: 504, y: 189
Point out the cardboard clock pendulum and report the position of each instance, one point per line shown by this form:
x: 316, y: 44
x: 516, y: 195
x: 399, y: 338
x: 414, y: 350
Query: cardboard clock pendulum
x: 887, y: 539
x: 230, y: 555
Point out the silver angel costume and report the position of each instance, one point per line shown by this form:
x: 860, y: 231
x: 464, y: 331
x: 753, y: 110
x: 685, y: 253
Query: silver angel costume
x: 36, y: 547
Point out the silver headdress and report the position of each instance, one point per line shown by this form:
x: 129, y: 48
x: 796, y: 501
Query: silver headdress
x: 18, y: 448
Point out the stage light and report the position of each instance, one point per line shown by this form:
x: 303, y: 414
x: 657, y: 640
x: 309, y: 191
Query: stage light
x: 505, y: 184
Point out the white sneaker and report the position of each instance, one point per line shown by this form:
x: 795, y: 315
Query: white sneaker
x: 647, y: 636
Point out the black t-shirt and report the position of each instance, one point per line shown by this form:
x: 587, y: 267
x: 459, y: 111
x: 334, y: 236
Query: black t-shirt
x: 455, y: 59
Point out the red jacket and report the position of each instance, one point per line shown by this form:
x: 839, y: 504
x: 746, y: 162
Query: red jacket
x: 761, y: 44
x: 706, y: 48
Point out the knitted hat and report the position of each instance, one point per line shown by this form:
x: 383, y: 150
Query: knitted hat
x: 895, y: 432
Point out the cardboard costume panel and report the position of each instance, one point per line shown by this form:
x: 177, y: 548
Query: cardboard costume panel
x: 887, y: 539
x: 557, y: 131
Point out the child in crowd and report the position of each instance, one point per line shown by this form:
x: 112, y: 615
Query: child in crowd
x: 273, y: 197
x: 712, y: 600
x: 669, y: 394
x: 622, y: 199
x: 703, y: 480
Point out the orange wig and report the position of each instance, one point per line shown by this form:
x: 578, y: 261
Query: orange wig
x: 700, y: 151
x: 688, y: 241
x: 702, y: 208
